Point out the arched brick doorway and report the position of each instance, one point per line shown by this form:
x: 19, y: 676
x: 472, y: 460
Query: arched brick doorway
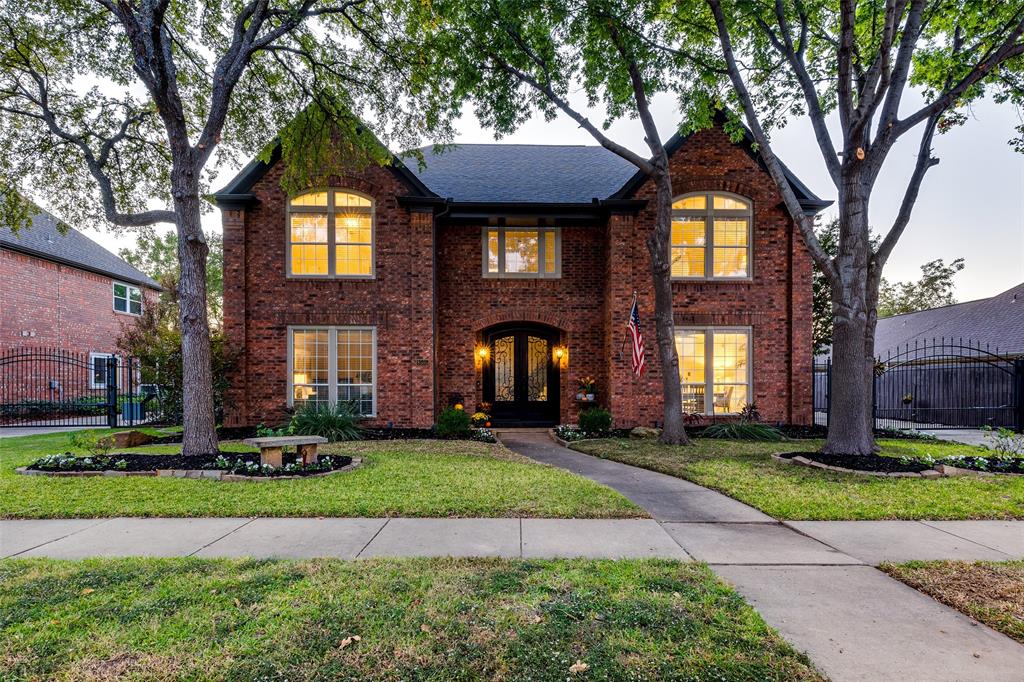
x: 520, y: 378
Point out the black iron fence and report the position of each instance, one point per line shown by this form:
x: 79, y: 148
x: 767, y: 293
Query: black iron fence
x: 938, y: 384
x: 56, y: 387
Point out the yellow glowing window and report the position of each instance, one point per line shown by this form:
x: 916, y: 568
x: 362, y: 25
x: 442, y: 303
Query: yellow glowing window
x: 714, y: 369
x: 522, y: 252
x: 331, y: 233
x: 711, y: 236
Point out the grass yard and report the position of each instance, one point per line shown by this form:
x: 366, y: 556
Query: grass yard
x: 744, y: 470
x: 990, y: 592
x: 441, y: 619
x: 397, y: 478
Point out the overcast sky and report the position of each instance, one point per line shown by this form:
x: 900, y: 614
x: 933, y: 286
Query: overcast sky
x: 971, y: 204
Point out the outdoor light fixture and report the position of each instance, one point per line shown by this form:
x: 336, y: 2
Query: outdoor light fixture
x: 559, y: 352
x: 483, y: 352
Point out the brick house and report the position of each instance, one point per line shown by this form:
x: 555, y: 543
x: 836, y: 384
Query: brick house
x: 501, y: 274
x: 61, y: 290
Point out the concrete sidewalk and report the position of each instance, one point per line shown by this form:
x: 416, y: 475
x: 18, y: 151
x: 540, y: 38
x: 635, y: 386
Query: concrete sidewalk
x: 807, y: 580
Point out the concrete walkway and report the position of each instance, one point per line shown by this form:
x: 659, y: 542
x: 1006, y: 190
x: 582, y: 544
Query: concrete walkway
x: 812, y: 582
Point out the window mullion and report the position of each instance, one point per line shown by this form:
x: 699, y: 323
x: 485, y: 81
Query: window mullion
x: 709, y: 237
x: 332, y: 365
x: 542, y: 262
x: 331, y: 256
x: 709, y: 372
x: 501, y: 251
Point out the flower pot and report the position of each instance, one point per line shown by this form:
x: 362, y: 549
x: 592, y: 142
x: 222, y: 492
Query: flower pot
x: 580, y: 396
x: 590, y: 397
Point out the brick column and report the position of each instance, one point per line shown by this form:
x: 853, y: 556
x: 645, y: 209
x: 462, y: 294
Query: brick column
x: 421, y: 340
x: 236, y: 405
x: 801, y: 335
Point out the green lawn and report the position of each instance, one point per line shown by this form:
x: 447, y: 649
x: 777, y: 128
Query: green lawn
x: 991, y: 592
x: 397, y: 478
x: 745, y: 470
x: 441, y: 619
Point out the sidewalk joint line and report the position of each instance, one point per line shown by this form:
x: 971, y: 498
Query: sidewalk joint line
x: 237, y: 528
x: 99, y: 522
x: 360, y: 552
x: 925, y: 523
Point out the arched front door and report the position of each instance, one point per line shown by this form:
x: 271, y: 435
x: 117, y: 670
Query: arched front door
x: 521, y: 379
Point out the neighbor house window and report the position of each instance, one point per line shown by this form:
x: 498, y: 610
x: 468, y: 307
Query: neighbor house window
x: 330, y: 234
x: 711, y: 236
x: 522, y: 252
x: 331, y: 364
x: 127, y: 299
x: 98, y: 369
x: 714, y: 369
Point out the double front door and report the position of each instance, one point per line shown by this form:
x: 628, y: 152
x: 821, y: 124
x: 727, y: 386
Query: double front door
x: 521, y: 379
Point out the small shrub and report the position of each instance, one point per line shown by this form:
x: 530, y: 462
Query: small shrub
x: 264, y: 431
x: 744, y: 431
x: 91, y: 442
x: 1008, y: 444
x: 483, y: 435
x: 569, y: 433
x: 334, y: 422
x: 453, y: 423
x: 595, y: 420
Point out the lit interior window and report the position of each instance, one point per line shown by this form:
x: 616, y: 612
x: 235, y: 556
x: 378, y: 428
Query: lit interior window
x: 711, y: 236
x: 331, y: 233
x: 522, y: 252
x: 723, y: 364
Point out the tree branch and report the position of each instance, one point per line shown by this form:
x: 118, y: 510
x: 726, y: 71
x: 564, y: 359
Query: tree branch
x: 803, y: 222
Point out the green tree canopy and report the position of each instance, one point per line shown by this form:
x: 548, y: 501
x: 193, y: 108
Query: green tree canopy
x: 934, y: 289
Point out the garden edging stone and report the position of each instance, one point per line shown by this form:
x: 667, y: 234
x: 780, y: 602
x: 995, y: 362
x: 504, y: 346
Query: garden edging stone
x: 208, y: 474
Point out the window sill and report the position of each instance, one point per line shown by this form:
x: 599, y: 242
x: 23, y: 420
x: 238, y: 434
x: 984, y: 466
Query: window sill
x: 331, y: 278
x: 712, y: 280
x: 120, y: 312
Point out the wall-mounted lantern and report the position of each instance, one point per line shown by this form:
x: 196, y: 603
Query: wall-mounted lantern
x: 561, y: 356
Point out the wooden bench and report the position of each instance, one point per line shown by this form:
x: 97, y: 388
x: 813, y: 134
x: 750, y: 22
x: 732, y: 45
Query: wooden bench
x: 272, y: 448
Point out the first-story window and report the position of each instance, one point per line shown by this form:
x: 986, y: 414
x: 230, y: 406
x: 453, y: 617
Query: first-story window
x: 714, y: 369
x: 331, y: 364
x: 98, y: 366
x: 522, y: 252
x: 127, y: 298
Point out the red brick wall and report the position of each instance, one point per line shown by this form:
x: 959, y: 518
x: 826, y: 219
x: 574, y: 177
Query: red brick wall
x: 468, y: 303
x: 776, y: 303
x: 48, y: 305
x: 261, y: 303
x: 601, y: 266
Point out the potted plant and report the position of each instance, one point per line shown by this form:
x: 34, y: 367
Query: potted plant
x: 586, y: 390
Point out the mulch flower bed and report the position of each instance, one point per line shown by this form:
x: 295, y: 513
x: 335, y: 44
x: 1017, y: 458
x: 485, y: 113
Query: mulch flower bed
x: 236, y: 463
x: 895, y: 465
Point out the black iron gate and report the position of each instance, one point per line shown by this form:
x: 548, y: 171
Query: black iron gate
x: 55, y: 387
x: 938, y: 384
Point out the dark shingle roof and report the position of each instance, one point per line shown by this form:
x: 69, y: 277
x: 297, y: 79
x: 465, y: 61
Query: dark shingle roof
x: 997, y: 321
x: 527, y: 173
x: 44, y: 240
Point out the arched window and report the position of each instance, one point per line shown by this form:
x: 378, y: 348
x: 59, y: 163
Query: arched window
x: 711, y: 236
x: 330, y: 234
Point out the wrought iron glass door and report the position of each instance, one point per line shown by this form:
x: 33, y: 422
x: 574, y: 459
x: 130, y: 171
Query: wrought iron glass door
x: 521, y: 380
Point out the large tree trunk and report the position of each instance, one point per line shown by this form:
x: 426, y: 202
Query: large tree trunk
x: 674, y: 431
x: 854, y: 302
x: 200, y: 428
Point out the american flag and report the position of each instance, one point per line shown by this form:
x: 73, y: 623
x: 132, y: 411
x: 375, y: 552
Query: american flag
x: 638, y: 339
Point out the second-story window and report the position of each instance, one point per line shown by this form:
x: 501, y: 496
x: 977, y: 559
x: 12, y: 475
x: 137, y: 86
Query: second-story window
x: 522, y: 252
x: 711, y: 236
x: 127, y: 298
x: 330, y: 234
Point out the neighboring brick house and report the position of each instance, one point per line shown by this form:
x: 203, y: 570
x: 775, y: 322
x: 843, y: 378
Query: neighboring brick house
x: 61, y: 290
x: 503, y: 273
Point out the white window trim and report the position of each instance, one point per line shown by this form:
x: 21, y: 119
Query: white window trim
x: 128, y: 299
x: 708, y: 213
x: 331, y: 236
x: 92, y: 369
x: 709, y: 364
x: 541, y: 252
x: 332, y: 360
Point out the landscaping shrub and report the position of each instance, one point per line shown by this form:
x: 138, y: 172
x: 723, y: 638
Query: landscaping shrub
x: 595, y: 420
x: 742, y: 430
x: 334, y: 422
x: 453, y: 423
